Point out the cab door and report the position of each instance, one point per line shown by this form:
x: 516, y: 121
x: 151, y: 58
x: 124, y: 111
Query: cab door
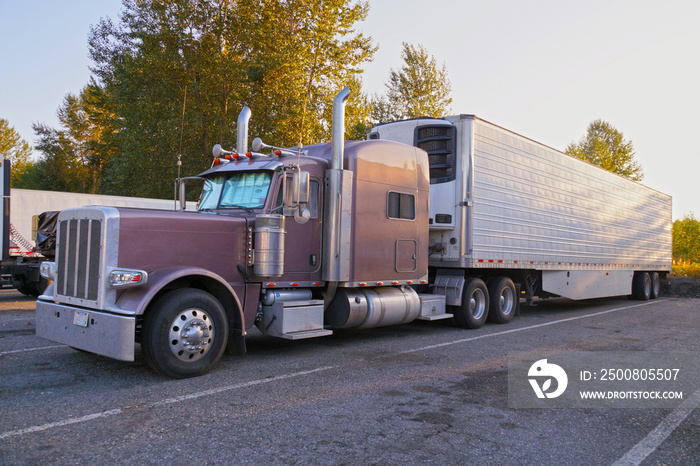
x: 302, y: 246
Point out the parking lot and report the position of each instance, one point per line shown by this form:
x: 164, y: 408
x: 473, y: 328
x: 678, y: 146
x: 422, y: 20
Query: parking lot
x: 411, y: 394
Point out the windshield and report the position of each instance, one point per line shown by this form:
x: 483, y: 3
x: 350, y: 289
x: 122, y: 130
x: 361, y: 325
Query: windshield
x: 239, y: 190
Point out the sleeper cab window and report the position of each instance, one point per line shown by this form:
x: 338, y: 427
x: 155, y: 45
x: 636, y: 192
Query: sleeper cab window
x: 401, y: 206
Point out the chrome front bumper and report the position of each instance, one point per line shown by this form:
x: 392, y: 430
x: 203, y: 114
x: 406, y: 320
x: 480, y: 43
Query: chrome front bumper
x: 98, y: 332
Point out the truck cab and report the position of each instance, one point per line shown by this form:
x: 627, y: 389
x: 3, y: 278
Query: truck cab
x: 295, y: 242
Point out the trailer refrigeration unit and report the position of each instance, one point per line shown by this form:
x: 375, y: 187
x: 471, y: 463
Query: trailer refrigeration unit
x: 427, y: 219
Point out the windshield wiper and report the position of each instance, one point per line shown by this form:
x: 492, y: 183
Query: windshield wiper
x: 235, y: 206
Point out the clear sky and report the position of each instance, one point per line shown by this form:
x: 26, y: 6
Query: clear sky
x: 542, y: 68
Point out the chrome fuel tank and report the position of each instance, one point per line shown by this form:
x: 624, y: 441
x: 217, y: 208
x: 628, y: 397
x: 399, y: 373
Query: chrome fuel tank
x: 372, y: 307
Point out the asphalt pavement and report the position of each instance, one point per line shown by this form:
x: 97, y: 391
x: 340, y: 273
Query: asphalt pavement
x: 421, y: 393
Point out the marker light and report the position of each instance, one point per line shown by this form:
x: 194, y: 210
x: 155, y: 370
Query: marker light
x: 48, y: 270
x: 123, y: 277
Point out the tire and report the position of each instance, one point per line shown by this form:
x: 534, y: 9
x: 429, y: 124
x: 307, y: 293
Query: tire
x: 22, y: 287
x: 30, y: 288
x: 33, y: 289
x: 655, y: 285
x: 502, y: 300
x: 184, y: 333
x: 475, y: 305
x: 641, y: 286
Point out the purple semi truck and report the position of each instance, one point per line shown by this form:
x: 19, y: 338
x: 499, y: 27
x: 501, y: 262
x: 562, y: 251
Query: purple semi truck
x: 339, y: 235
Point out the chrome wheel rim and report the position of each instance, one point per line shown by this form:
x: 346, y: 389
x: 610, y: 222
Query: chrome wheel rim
x: 507, y: 301
x: 477, y: 304
x: 647, y: 286
x: 191, y: 335
x: 656, y: 286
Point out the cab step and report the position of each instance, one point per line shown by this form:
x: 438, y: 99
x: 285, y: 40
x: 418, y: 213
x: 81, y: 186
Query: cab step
x: 432, y: 307
x: 306, y: 334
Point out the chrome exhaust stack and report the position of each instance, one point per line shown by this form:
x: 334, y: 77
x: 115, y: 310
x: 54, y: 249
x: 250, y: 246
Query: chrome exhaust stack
x: 338, y: 129
x: 242, y: 131
x: 338, y: 203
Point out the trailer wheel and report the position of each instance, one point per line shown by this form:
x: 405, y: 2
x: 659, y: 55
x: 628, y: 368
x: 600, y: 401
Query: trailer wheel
x: 641, y: 287
x: 184, y: 333
x: 655, y: 285
x: 502, y: 302
x: 475, y: 304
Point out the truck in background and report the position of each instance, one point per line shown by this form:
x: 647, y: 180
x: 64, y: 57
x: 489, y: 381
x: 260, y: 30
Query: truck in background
x: 455, y: 220
x: 20, y: 220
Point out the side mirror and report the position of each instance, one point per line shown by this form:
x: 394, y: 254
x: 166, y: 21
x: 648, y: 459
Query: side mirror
x: 183, y: 196
x: 300, y: 187
x: 181, y: 191
x: 301, y: 215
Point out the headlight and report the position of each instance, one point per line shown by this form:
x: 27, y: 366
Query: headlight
x: 123, y: 277
x: 48, y: 270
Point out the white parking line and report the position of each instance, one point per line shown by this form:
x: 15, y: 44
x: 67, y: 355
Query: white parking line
x: 32, y: 349
x: 522, y: 329
x: 656, y: 437
x: 178, y: 399
x: 65, y: 422
x: 214, y: 391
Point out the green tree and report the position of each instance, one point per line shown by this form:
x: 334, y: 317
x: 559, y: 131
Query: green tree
x: 419, y: 88
x: 73, y: 156
x: 174, y: 76
x: 686, y: 239
x: 17, y: 151
x: 606, y: 147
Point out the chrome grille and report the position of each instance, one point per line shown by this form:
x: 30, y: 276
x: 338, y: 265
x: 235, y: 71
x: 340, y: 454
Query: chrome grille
x: 78, y: 261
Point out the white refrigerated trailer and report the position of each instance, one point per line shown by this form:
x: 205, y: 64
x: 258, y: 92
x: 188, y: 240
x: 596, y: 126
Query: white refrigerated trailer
x: 19, y: 264
x: 26, y: 204
x: 503, y: 205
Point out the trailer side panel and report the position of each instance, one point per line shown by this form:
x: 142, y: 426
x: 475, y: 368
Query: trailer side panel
x: 535, y: 207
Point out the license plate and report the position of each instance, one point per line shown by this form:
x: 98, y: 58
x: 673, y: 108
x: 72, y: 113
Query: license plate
x: 80, y: 319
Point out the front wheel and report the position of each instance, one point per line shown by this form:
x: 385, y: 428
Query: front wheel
x: 475, y: 304
x: 185, y: 333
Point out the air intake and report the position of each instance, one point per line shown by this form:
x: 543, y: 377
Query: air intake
x: 439, y: 142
